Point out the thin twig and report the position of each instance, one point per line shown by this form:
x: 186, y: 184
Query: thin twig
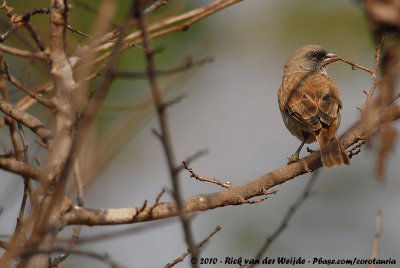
x: 73, y: 241
x: 192, y: 158
x: 157, y: 202
x: 38, y: 97
x: 78, y: 182
x: 28, y: 120
x: 354, y: 65
x: 83, y: 4
x: 73, y: 30
x: 85, y: 253
x: 288, y: 216
x: 132, y: 230
x: 24, y: 53
x: 154, y: 7
x: 395, y: 98
x: 258, y: 200
x: 173, y: 101
x: 187, y: 252
x: 226, y: 184
x: 68, y: 250
x: 253, y: 188
x: 375, y: 241
x: 162, y: 120
x: 209, y: 10
x: 372, y: 72
x: 195, y: 156
x: 184, y: 67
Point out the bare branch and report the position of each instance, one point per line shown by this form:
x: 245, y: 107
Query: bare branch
x: 184, y: 67
x: 233, y: 196
x: 104, y: 258
x: 23, y: 53
x: 38, y: 97
x: 200, y: 245
x: 226, y: 184
x: 162, y: 120
x: 132, y: 230
x: 20, y: 168
x: 157, y: 202
x: 67, y: 251
x: 375, y: 241
x: 354, y: 65
x: 28, y: 120
x: 154, y: 7
x: 288, y: 216
x: 73, y: 30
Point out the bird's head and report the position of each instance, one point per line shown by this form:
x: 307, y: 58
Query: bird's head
x: 310, y: 58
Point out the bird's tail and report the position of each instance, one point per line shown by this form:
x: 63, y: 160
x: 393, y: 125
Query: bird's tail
x: 332, y: 152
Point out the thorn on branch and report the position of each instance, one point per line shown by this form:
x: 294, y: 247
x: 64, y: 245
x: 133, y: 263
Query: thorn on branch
x: 140, y: 210
x: 157, y: 202
x: 226, y: 184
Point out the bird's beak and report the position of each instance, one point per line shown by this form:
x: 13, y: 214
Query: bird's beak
x: 331, y: 57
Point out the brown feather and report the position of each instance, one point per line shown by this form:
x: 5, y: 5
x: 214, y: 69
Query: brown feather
x: 310, y: 104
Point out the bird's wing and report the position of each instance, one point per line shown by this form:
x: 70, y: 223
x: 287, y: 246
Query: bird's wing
x: 304, y: 109
x: 316, y: 100
x: 328, y: 109
x: 328, y: 99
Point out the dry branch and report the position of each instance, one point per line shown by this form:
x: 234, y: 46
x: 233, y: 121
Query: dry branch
x: 236, y: 195
x: 164, y: 129
x: 226, y: 184
x: 199, y: 245
x: 21, y: 168
x: 28, y: 120
x: 288, y: 216
x: 51, y: 210
x: 375, y: 241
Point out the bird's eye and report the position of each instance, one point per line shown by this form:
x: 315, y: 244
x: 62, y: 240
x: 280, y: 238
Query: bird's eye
x: 317, y: 55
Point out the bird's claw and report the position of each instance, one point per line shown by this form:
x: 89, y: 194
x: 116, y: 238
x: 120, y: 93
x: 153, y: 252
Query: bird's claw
x: 311, y: 151
x: 293, y: 159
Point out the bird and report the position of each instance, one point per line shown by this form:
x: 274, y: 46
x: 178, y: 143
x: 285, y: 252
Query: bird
x: 310, y: 103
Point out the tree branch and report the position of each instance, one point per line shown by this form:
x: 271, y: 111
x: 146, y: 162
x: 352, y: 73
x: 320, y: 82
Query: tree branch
x: 234, y: 196
x: 20, y: 168
x: 28, y: 120
x: 164, y: 128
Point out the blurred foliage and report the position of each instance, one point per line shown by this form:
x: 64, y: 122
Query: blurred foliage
x: 335, y: 25
x: 128, y: 103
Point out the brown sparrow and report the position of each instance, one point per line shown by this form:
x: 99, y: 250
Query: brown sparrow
x: 310, y: 103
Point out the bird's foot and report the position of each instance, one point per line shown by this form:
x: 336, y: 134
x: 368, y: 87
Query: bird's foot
x: 311, y: 151
x: 293, y: 159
